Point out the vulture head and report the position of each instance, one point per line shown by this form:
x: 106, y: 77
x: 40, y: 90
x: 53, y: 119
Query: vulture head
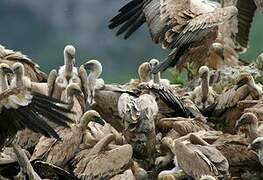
x: 69, y: 60
x: 256, y: 145
x: 94, y: 66
x: 89, y: 116
x: 247, y: 119
x: 154, y: 63
x: 69, y: 53
x: 156, y: 77
x: 144, y: 72
x: 218, y: 49
x: 73, y: 89
x: 203, y: 72
x: 5, y: 69
x: 18, y: 69
x: 245, y: 78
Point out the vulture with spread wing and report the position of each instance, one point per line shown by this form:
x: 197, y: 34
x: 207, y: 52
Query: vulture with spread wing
x: 187, y: 27
x: 26, y: 109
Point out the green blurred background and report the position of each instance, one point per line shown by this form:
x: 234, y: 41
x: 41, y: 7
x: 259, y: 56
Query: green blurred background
x: 41, y: 29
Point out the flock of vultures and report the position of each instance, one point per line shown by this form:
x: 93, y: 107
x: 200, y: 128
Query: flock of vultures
x: 72, y: 125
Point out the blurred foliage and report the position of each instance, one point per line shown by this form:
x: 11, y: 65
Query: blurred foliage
x: 41, y: 29
x: 177, y: 78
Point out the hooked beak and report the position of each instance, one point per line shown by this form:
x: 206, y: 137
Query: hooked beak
x: 88, y: 66
x: 8, y: 70
x: 100, y: 121
x: 249, y: 147
x: 254, y: 146
x: 241, y: 122
x: 72, y: 56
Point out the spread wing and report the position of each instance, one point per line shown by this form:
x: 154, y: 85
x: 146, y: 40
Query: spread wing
x: 246, y: 13
x: 163, y: 17
x: 201, y: 25
x: 33, y: 116
x: 130, y: 18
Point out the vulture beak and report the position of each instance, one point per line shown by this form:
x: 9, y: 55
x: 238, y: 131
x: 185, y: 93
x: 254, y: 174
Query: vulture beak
x: 253, y: 146
x: 249, y: 147
x: 241, y: 122
x: 78, y: 93
x: 72, y: 56
x: 88, y: 66
x: 238, y: 124
x: 100, y: 121
x: 256, y: 144
x: 8, y: 70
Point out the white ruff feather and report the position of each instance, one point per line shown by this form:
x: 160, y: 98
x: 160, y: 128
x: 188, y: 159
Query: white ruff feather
x: 15, y: 101
x: 203, y: 6
x: 62, y: 70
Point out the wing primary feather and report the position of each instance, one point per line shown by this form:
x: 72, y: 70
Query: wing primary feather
x: 36, y: 123
x: 135, y: 26
x: 122, y: 17
x: 50, y: 105
x: 52, y: 115
x: 47, y: 98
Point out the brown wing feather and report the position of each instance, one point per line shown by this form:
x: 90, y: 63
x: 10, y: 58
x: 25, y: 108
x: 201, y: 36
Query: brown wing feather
x: 32, y: 69
x: 246, y: 12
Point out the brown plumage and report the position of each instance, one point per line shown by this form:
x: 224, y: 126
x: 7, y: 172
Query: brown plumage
x: 184, y: 125
x: 177, y: 25
x: 144, y: 73
x: 203, y: 95
x: 99, y: 163
x: 139, y: 116
x: 234, y: 34
x: 234, y: 148
x: 250, y: 120
x: 60, y: 152
x: 208, y: 160
x: 27, y: 109
x: 74, y: 96
x: 255, y: 107
x: 32, y: 69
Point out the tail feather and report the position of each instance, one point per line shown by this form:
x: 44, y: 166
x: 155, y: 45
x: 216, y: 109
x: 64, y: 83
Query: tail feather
x: 166, y: 63
x: 172, y: 59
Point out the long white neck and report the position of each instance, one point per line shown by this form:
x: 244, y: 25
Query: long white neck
x: 157, y: 78
x: 4, y: 82
x: 205, y: 87
x: 68, y: 62
x: 254, y: 88
x: 19, y: 80
x: 97, y: 71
